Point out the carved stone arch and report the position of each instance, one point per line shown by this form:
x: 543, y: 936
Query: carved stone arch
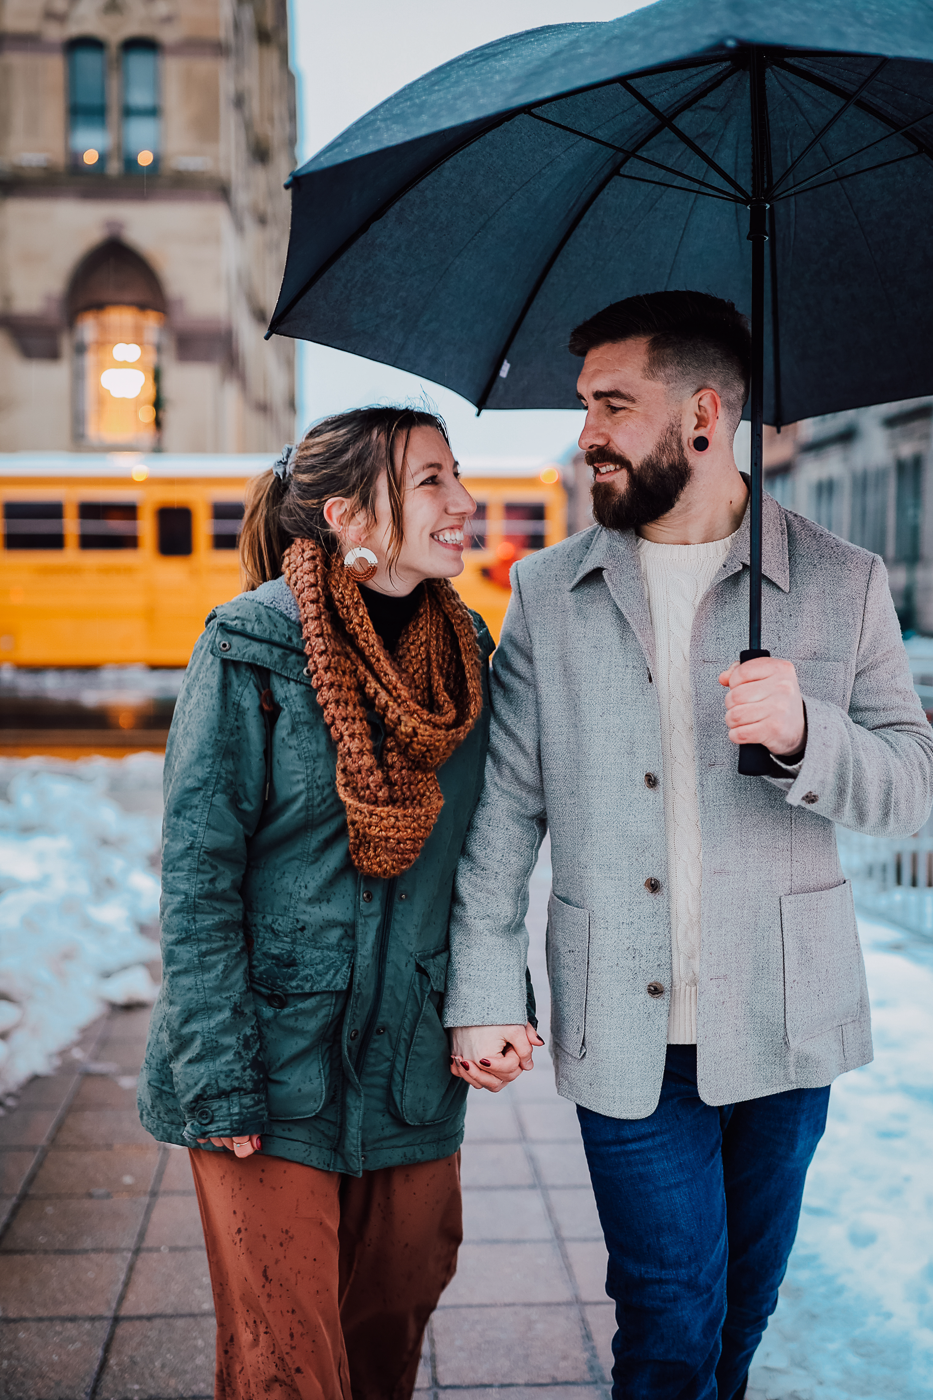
x: 112, y: 274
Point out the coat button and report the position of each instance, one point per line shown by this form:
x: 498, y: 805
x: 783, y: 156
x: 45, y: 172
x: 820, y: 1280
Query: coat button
x: 367, y: 896
x: 277, y: 1000
x: 655, y: 989
x: 809, y: 798
x: 651, y: 780
x: 204, y: 1115
x: 652, y: 885
x: 380, y: 1030
x: 403, y: 896
x: 225, y: 646
x: 354, y: 1035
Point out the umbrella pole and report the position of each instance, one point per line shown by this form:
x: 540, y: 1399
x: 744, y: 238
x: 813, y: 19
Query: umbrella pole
x: 754, y: 759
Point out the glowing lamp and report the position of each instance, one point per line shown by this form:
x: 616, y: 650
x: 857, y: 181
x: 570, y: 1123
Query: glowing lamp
x: 91, y: 157
x: 145, y: 158
x: 141, y: 472
x: 129, y: 353
x: 147, y: 413
x: 549, y: 476
x: 506, y: 550
x: 123, y: 383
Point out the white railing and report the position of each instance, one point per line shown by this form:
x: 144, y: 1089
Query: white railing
x: 892, y: 879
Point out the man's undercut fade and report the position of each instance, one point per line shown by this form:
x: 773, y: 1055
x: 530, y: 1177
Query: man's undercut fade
x: 695, y: 341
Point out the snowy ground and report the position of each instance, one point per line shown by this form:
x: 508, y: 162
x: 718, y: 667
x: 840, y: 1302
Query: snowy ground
x: 77, y: 886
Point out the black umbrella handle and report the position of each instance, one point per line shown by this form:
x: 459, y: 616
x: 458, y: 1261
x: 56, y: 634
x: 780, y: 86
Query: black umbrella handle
x: 754, y: 759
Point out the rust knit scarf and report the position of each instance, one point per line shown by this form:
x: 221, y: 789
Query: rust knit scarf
x: 428, y: 696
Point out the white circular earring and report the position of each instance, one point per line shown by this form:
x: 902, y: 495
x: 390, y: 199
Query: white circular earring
x: 361, y: 564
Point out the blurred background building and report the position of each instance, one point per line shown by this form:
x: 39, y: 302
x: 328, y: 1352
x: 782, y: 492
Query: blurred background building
x: 143, y: 149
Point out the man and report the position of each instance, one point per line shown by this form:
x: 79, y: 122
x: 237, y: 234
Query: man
x: 706, y: 978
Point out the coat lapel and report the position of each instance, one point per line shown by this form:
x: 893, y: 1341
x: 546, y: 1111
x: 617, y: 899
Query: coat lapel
x: 615, y: 554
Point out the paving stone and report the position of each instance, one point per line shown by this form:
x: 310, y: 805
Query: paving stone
x: 423, y: 1378
x: 26, y: 1127
x: 6, y: 1206
x: 175, y: 1220
x: 517, y: 1273
x: 126, y: 1025
x: 46, y: 1090
x: 60, y: 1285
x: 165, y: 1284
x: 101, y: 1091
x: 102, y: 1127
x: 536, y: 1086
x: 509, y: 1213
x: 495, y: 1164
x: 42, y: 1224
x: 574, y: 1209
x: 588, y: 1260
x: 160, y: 1363
x: 123, y: 1171
x: 48, y: 1360
x: 14, y: 1164
x: 177, y: 1175
x: 522, y: 1392
x: 601, y: 1320
x: 491, y: 1118
x: 561, y: 1163
x: 531, y: 1345
x: 551, y: 1121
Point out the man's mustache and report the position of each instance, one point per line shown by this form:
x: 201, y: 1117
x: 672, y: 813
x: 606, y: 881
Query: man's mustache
x: 600, y: 459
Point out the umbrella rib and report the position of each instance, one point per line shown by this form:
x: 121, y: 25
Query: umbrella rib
x: 826, y: 129
x: 682, y: 136
x: 633, y: 155
x: 575, y: 224
x: 867, y: 107
x: 839, y: 179
x: 834, y: 165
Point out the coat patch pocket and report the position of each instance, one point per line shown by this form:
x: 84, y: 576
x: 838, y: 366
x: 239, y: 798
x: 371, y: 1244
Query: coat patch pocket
x: 299, y: 1020
x: 568, y: 958
x: 422, y: 1089
x: 822, y: 962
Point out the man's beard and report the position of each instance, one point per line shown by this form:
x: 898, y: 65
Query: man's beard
x: 653, y: 487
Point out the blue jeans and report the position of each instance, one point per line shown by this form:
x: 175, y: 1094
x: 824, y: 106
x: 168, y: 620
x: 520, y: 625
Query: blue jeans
x: 699, y: 1207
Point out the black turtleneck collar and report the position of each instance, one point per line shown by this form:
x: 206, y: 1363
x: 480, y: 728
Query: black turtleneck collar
x: 390, y: 614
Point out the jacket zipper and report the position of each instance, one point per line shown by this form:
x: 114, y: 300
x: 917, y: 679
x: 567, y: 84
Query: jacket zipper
x: 382, y: 958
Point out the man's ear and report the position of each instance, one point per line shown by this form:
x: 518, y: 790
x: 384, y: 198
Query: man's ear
x: 707, y: 412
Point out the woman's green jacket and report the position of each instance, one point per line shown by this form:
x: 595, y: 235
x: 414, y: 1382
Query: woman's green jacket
x: 300, y: 999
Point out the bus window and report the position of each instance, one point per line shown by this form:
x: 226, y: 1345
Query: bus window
x: 33, y: 525
x: 174, y: 530
x: 107, y: 525
x: 228, y: 517
x: 475, y: 533
x: 524, y: 524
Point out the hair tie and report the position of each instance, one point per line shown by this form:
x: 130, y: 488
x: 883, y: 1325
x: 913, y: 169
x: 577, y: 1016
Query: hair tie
x: 284, y: 463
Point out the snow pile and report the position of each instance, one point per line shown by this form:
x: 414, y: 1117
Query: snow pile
x: 856, y: 1310
x: 76, y: 888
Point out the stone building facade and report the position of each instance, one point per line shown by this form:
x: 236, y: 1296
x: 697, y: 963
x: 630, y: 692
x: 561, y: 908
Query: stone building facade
x: 144, y: 145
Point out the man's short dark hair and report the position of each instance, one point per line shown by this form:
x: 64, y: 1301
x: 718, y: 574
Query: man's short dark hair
x: 695, y: 341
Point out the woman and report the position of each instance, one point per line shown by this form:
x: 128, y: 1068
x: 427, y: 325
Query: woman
x: 324, y: 761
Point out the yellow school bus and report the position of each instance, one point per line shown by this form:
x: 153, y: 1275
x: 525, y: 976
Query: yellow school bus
x: 117, y: 558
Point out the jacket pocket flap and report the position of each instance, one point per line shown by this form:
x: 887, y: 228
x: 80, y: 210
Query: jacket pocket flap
x: 822, y: 962
x: 278, y: 969
x: 435, y: 965
x: 568, y: 956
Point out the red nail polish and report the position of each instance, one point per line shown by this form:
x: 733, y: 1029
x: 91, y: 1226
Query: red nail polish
x: 465, y: 1064
x: 487, y: 1063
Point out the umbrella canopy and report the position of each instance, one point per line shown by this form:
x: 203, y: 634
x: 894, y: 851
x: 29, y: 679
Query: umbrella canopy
x: 778, y: 155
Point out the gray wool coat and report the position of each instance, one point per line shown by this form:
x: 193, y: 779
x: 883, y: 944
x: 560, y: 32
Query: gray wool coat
x: 782, y: 998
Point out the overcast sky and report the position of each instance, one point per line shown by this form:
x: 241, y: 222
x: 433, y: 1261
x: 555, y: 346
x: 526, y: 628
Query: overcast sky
x: 350, y: 54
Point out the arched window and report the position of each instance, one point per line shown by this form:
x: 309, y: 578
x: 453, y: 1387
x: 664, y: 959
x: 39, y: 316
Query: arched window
x: 117, y: 309
x: 141, y: 112
x: 88, y: 139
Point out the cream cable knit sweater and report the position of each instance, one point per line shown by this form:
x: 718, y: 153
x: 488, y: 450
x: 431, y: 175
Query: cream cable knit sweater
x: 676, y: 576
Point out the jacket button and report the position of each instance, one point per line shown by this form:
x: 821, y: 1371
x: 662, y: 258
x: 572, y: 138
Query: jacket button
x: 652, y: 885
x: 655, y: 989
x: 277, y: 1000
x: 651, y: 780
x: 403, y: 896
x: 367, y: 896
x: 225, y: 646
x: 809, y: 798
x: 204, y: 1115
x: 380, y: 1030
x: 353, y: 1035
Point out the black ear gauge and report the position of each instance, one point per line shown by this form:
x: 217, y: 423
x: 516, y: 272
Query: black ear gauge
x: 700, y: 444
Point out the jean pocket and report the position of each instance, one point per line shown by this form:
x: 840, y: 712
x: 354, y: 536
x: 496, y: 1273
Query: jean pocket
x: 422, y: 1089
x: 568, y: 958
x: 822, y: 962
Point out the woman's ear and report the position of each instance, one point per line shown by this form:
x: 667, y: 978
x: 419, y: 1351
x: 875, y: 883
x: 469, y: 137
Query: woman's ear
x: 345, y: 526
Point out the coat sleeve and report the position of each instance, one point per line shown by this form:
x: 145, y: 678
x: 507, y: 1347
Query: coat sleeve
x: 870, y: 769
x: 214, y: 773
x: 487, y: 984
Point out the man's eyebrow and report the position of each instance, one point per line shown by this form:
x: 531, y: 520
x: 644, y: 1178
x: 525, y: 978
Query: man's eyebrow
x: 611, y: 394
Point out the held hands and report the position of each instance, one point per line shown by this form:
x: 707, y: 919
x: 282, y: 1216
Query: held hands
x: 489, y: 1057
x: 764, y: 705
x: 239, y: 1146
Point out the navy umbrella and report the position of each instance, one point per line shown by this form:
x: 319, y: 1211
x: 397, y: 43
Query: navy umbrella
x: 779, y: 155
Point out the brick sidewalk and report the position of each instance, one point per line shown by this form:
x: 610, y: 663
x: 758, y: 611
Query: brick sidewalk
x: 104, y: 1291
